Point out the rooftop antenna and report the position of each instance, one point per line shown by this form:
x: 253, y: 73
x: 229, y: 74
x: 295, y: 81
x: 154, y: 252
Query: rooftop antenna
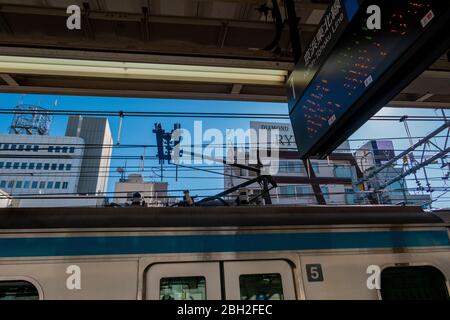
x: 121, y: 170
x: 30, y: 120
x: 120, y: 126
x: 142, y: 163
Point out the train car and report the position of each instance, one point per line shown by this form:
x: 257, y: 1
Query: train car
x: 243, y: 253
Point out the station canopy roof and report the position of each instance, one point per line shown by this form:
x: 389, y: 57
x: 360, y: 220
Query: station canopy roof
x: 195, y: 49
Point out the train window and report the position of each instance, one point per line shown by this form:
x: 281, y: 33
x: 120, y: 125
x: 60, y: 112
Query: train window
x: 261, y: 286
x: 273, y: 280
x: 413, y: 283
x: 183, y: 281
x: 183, y: 288
x: 18, y: 290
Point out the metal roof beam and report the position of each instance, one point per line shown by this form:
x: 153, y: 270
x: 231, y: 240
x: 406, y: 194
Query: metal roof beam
x: 137, y: 17
x: 418, y: 104
x: 141, y: 93
x: 9, y: 80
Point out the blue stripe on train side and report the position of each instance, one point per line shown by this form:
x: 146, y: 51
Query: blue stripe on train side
x: 114, y: 245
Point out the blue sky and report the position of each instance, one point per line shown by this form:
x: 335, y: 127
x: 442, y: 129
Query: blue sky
x: 139, y: 130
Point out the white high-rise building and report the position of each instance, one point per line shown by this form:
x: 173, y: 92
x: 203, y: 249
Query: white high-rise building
x: 97, y: 156
x: 33, y: 167
x: 39, y: 164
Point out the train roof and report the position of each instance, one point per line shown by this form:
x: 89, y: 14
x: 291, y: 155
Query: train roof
x: 136, y: 217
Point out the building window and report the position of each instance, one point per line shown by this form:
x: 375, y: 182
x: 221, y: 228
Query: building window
x: 303, y: 191
x: 71, y: 149
x: 53, y: 166
x: 18, y: 290
x: 50, y: 185
x: 21, y: 147
x: 38, y: 166
x: 64, y: 149
x: 68, y: 167
x: 290, y: 167
x: 61, y: 166
x: 65, y: 185
x: 287, y: 191
x: 315, y: 167
x: 26, y: 184
x: 35, y: 148
x: 50, y: 148
x: 342, y: 171
x: 58, y: 149
x: 5, y: 146
x: 57, y: 185
x: 23, y: 165
x: 16, y: 165
x: 11, y: 184
x: 3, y: 184
x: 46, y: 166
x: 297, y: 167
x: 8, y: 165
x: 282, y: 166
x: 42, y: 185
x: 34, y: 185
x: 349, y: 196
x: 325, y: 192
x: 18, y: 184
x: 31, y: 165
x: 13, y: 146
x: 28, y: 148
x: 1, y: 164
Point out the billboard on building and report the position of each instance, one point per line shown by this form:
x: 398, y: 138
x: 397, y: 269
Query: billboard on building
x: 286, y: 139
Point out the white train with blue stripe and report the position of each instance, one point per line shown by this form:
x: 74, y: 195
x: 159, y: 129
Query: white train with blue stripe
x: 243, y: 253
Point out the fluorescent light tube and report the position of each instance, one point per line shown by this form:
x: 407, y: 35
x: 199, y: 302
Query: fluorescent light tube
x: 144, y: 71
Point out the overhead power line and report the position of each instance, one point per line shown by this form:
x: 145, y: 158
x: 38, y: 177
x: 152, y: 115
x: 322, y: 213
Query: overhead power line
x: 216, y: 115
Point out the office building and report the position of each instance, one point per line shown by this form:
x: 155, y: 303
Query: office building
x: 34, y: 166
x: 97, y: 155
x: 40, y: 164
x: 376, y: 153
x: 153, y: 193
x: 330, y: 181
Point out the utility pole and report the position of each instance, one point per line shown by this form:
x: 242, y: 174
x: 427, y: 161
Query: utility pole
x: 165, y: 144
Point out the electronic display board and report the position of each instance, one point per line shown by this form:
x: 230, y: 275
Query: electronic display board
x: 348, y: 71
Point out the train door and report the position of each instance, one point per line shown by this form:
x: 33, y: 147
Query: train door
x: 231, y: 280
x: 259, y: 280
x: 183, y: 281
